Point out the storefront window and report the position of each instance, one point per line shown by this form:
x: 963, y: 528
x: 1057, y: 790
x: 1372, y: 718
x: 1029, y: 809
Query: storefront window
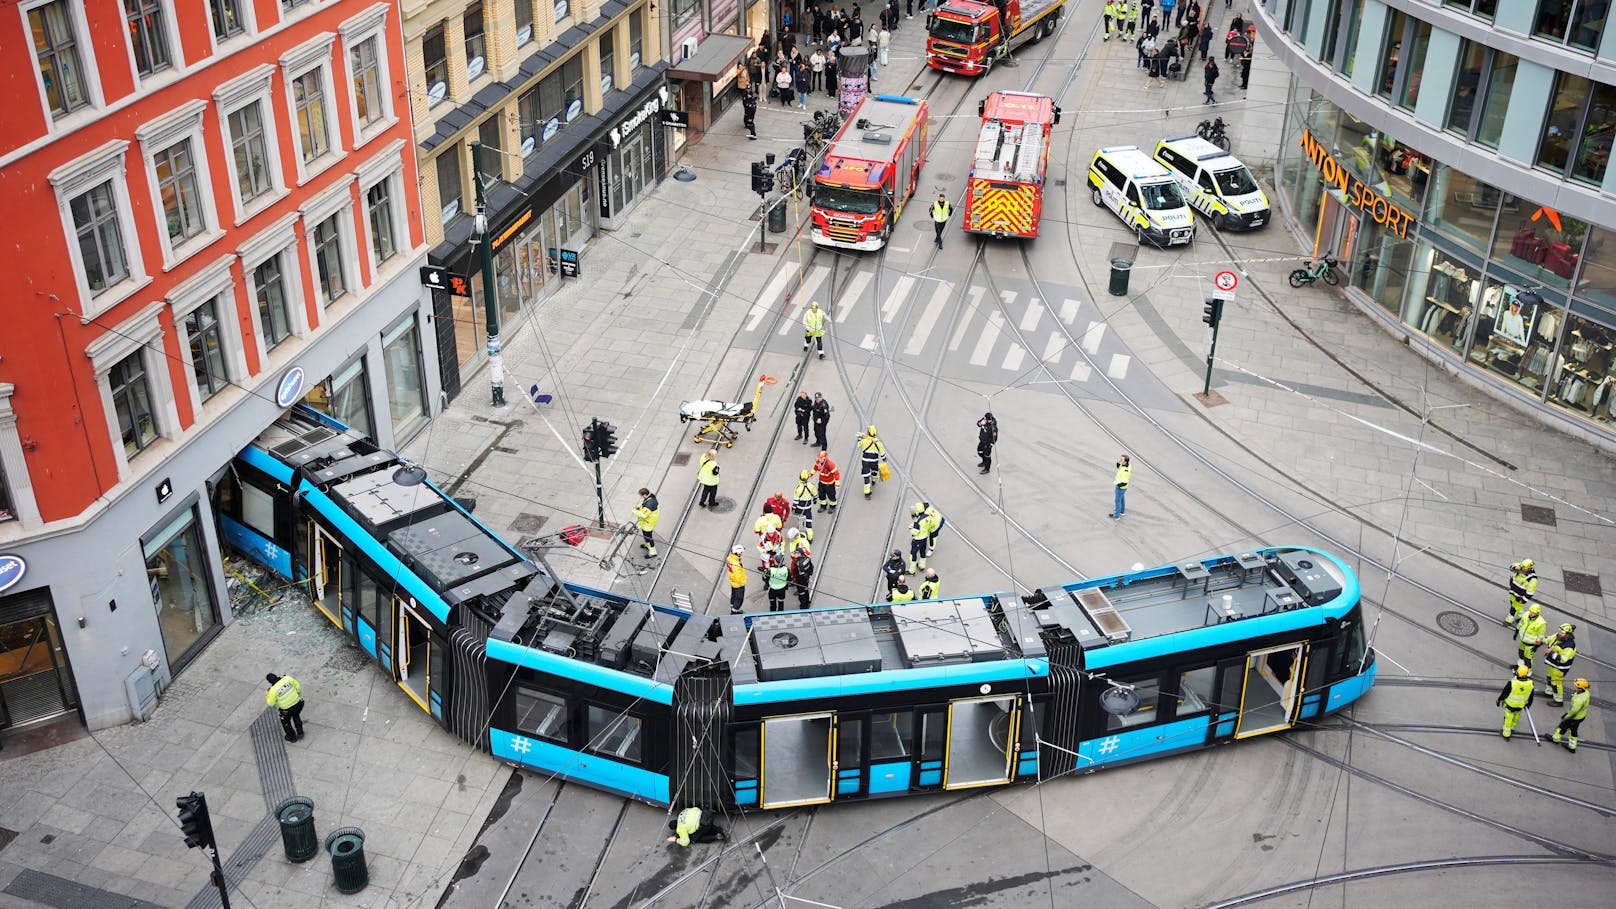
x: 1583, y: 379
x: 1409, y: 94
x: 468, y: 324
x: 505, y: 284
x: 1462, y: 207
x: 1598, y: 281
x: 1540, y: 243
x: 1442, y: 301
x: 406, y: 394
x: 1500, y: 81
x: 344, y: 396
x: 1593, y: 154
x: 1466, y: 84
x: 181, y: 592
x: 1561, y: 131
x: 1384, y: 262
x: 1515, y: 333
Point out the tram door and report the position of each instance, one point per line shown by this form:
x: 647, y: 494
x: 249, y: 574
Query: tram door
x: 799, y: 763
x: 325, y: 572
x: 1268, y: 698
x: 981, y: 741
x: 412, y: 644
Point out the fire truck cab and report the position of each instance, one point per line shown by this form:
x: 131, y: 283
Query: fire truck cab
x: 869, y: 171
x: 1005, y: 194
x: 968, y: 36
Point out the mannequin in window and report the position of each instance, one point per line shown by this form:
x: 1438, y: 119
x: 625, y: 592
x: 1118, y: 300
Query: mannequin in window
x: 1512, y: 324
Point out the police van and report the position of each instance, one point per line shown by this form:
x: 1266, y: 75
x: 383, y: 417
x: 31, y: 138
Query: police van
x: 1142, y: 193
x: 1215, y: 182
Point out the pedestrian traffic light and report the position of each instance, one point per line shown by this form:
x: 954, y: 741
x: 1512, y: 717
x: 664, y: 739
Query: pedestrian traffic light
x: 194, y: 821
x: 1212, y: 312
x: 762, y: 180
x: 591, y: 446
x: 605, y: 438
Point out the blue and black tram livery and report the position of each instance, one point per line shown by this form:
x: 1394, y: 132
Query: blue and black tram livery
x: 775, y: 710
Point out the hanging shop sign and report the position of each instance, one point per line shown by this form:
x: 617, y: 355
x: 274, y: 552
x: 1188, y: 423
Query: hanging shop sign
x: 1357, y: 193
x: 632, y: 122
x: 290, y: 389
x: 12, y: 568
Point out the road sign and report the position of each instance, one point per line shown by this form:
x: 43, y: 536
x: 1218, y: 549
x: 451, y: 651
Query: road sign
x: 1224, y: 283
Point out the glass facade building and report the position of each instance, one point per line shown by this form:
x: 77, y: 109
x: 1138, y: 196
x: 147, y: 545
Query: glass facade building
x: 1454, y: 155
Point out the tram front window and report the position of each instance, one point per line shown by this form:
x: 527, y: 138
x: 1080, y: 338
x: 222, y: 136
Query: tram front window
x: 1352, y: 650
x: 1161, y: 196
x: 1236, y: 182
x: 847, y: 199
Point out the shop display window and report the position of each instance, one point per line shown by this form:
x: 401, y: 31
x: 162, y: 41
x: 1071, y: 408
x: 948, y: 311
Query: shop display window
x: 406, y: 392
x: 1442, y: 303
x: 182, y: 594
x: 1598, y: 279
x: 1462, y: 207
x: 1383, y: 265
x: 1540, y: 243
x: 1515, y: 333
x: 1582, y: 376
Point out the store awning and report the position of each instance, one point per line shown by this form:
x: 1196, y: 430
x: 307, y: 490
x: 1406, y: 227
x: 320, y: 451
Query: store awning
x: 714, y: 59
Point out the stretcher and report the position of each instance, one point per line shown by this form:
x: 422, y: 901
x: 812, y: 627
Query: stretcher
x: 718, y: 418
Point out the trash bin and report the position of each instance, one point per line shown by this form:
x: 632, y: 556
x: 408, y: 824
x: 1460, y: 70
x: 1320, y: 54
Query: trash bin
x: 777, y: 217
x: 1119, y: 276
x: 296, y: 815
x: 347, y: 848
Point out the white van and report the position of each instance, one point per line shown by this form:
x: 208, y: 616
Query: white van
x: 1215, y: 182
x: 1143, y: 193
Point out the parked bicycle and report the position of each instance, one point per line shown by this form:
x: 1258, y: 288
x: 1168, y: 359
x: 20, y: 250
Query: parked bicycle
x: 1325, y: 269
x: 817, y: 133
x: 1213, y: 132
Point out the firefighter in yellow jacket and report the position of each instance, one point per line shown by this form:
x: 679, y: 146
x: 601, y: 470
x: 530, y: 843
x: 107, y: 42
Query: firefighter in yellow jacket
x: 735, y: 571
x: 813, y: 328
x: 872, y: 454
x: 1516, y: 696
x: 646, y: 515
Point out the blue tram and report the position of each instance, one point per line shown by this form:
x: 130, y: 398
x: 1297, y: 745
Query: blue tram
x: 797, y: 708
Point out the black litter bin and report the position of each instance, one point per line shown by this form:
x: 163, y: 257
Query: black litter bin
x: 1119, y: 276
x: 347, y: 848
x: 777, y: 217
x: 296, y: 815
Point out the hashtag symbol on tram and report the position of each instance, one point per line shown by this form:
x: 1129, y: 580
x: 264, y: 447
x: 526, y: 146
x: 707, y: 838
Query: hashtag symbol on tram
x: 520, y: 745
x: 1110, y: 745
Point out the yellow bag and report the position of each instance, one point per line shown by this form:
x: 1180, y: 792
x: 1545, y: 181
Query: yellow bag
x: 886, y: 472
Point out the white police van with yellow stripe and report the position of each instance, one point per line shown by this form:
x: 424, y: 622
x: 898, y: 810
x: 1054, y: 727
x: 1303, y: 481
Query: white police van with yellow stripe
x: 1215, y: 182
x: 1143, y: 193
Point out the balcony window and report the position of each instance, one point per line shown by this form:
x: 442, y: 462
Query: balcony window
x: 476, y: 44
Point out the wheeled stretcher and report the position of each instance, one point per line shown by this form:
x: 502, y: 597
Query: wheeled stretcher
x: 718, y: 418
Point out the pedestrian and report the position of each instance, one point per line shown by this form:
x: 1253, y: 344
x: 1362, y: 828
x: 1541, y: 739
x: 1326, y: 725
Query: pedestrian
x: 645, y: 518
x: 872, y: 456
x: 802, y: 499
x: 1210, y: 75
x: 802, y: 575
x: 1167, y: 59
x: 1245, y: 68
x: 883, y: 41
x: 874, y: 57
x: 1192, y: 13
x: 804, y: 84
x: 788, y: 44
x: 1205, y: 40
x: 1557, y: 662
x: 780, y: 505
x: 934, y: 525
x: 987, y: 436
x: 816, y: 22
x: 707, y: 477
x: 1522, y: 588
x: 785, y: 19
x: 286, y: 696
x: 1234, y: 42
x: 919, y: 537
x: 803, y: 409
x: 901, y: 592
x: 1145, y: 9
x: 767, y: 528
x: 782, y: 85
x: 930, y: 587
x: 691, y: 824
x: 779, y: 577
x: 735, y: 571
x: 1153, y: 61
x: 821, y: 414
x: 940, y: 211
x: 1124, y: 476
x: 749, y: 113
x: 1167, y: 12
x: 816, y: 66
x: 830, y: 482
x: 892, y: 569
x: 1516, y: 696
x: 1531, y: 633
x: 830, y: 66
x: 1152, y: 27
x: 1146, y: 45
x: 1566, y: 733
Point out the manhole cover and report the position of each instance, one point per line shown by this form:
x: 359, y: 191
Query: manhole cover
x: 723, y: 506
x: 527, y: 522
x: 943, y: 178
x: 1577, y: 582
x: 1537, y: 514
x: 682, y: 458
x: 1457, y: 624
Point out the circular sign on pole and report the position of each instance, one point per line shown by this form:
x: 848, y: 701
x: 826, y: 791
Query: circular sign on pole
x: 1226, y: 280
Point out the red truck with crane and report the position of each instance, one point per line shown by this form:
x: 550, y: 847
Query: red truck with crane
x: 968, y: 36
x: 869, y: 171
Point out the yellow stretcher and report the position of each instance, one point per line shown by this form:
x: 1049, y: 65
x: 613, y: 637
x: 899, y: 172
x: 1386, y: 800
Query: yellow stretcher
x: 718, y: 417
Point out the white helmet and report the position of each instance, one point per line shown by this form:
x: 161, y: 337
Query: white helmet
x: 740, y: 551
x: 791, y: 534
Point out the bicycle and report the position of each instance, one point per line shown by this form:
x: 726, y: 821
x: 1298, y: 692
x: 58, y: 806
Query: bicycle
x: 1213, y: 132
x: 1308, y: 273
x: 817, y: 133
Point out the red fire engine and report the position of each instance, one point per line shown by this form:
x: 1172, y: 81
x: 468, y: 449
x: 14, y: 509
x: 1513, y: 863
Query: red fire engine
x: 869, y: 172
x: 967, y: 36
x: 1005, y: 195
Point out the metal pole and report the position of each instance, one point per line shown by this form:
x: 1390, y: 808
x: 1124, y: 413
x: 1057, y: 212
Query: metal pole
x: 1207, y: 389
x: 600, y: 498
x: 218, y: 879
x: 763, y: 222
x: 485, y: 249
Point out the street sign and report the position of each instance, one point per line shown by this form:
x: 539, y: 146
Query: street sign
x: 1224, y: 283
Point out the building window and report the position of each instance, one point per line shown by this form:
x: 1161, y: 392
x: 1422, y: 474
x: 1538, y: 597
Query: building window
x: 226, y: 15
x: 308, y: 101
x: 269, y: 284
x: 1409, y: 94
x: 367, y: 82
x: 524, y: 22
x: 132, y: 401
x: 147, y: 37
x: 1560, y: 132
x: 1484, y: 8
x: 563, y: 9
x: 95, y: 218
x: 1466, y: 86
x: 379, y: 211
x: 345, y: 396
x: 6, y: 512
x: 532, y: 121
x: 251, y: 152
x: 207, y: 349
x: 177, y: 187
x: 449, y: 183
x: 683, y: 12
x: 1576, y: 22
x: 1593, y: 154
x: 636, y: 41
x: 1392, y: 55
x: 476, y: 44
x: 608, y: 63
x: 181, y: 589
x: 1500, y: 81
x: 401, y: 360
x: 56, y: 46
x: 289, y: 5
x: 435, y: 56
x: 572, y: 89
x: 328, y: 258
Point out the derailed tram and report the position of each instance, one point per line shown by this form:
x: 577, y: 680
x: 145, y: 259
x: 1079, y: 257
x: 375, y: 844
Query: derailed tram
x: 773, y: 710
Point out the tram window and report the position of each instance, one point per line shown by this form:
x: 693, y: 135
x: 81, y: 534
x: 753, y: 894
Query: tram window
x: 1234, y: 681
x: 1195, y: 690
x: 541, y: 714
x: 614, y: 734
x: 849, y: 742
x: 746, y: 753
x: 933, y: 732
x: 370, y: 599
x: 1319, y: 661
x: 258, y: 509
x: 1149, y: 691
x: 892, y: 736
x: 1352, y: 649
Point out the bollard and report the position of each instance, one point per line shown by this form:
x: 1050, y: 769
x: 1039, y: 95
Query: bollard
x: 1119, y: 276
x: 347, y: 848
x: 296, y: 815
x: 777, y: 216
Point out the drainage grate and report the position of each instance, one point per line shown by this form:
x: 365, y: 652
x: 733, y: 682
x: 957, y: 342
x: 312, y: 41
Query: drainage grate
x: 1577, y: 582
x: 528, y: 523
x: 65, y: 894
x: 1537, y: 514
x: 680, y: 459
x: 1457, y: 624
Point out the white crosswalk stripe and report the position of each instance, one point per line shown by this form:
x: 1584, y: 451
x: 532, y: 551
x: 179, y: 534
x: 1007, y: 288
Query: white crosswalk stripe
x: 974, y: 306
x: 928, y: 318
x: 802, y: 297
x: 1054, y: 349
x: 895, y: 299
x: 855, y: 292
x: 1034, y: 314
x: 1068, y: 310
x: 765, y: 301
x: 1119, y: 366
x: 1013, y: 358
x: 868, y: 343
x: 1081, y: 371
x: 989, y: 337
x: 1092, y: 336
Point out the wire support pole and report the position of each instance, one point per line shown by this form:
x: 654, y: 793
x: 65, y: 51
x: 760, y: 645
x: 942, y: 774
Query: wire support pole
x: 485, y: 252
x: 1211, y: 352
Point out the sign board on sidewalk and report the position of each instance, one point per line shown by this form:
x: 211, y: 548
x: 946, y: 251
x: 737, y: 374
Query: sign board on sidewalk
x: 569, y: 263
x: 1224, y: 283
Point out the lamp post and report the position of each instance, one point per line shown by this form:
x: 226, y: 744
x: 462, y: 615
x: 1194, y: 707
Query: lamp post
x: 485, y: 249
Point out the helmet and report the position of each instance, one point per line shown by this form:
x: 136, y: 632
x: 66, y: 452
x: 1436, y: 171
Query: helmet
x: 740, y: 551
x: 814, y: 305
x: 920, y: 508
x: 805, y: 474
x: 791, y: 534
x: 1568, y: 628
x: 872, y: 429
x: 1526, y: 564
x: 1523, y: 671
x: 1535, y: 610
x: 1582, y: 684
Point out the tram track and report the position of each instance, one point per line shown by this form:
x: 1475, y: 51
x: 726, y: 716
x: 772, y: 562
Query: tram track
x: 1429, y: 865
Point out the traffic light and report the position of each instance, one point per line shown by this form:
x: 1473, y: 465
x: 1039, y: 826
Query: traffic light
x: 1212, y: 312
x: 591, y: 446
x: 194, y: 821
x: 606, y: 438
x: 762, y: 180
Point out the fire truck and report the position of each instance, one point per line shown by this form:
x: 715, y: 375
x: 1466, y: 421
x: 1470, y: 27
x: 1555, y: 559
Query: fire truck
x: 967, y: 36
x: 1005, y: 195
x: 868, y: 172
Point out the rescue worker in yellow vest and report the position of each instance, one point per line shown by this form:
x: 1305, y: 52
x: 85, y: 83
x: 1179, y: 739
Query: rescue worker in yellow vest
x: 795, y: 543
x: 930, y: 588
x: 934, y: 526
x: 901, y: 593
x: 1516, y: 696
x: 1531, y: 633
x: 1522, y: 588
x: 1557, y: 661
x: 645, y: 518
x: 1119, y: 503
x: 813, y: 328
x: 767, y: 528
x: 737, y: 579
x: 707, y: 476
x: 1131, y: 29
x: 802, y: 502
x: 1112, y: 15
x: 286, y: 695
x: 872, y: 454
x: 779, y: 576
x: 1566, y: 733
x: 940, y: 212
x: 691, y: 824
x: 919, y: 538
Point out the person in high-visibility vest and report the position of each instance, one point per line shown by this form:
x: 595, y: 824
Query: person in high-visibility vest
x: 1516, y: 696
x: 934, y: 525
x: 813, y: 328
x: 286, y: 696
x: 802, y: 499
x: 930, y: 587
x: 645, y: 518
x: 919, y: 538
x: 707, y: 476
x: 830, y: 482
x: 1566, y: 733
x: 736, y: 572
x: 1124, y: 477
x: 795, y: 542
x: 1557, y: 661
x: 779, y: 577
x: 767, y: 528
x: 940, y: 212
x: 1531, y: 633
x: 901, y: 593
x: 692, y: 824
x: 872, y: 453
x: 1522, y: 588
x: 1110, y: 14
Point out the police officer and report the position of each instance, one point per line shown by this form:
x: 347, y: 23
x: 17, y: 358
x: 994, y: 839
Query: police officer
x: 779, y: 577
x: 892, y: 569
x: 940, y: 212
x: 919, y: 537
x: 1566, y: 733
x: 691, y: 824
x: 821, y: 414
x: 872, y: 454
x: 1522, y: 588
x: 987, y: 436
x: 707, y: 476
x: 802, y: 500
x: 830, y: 482
x: 736, y: 572
x: 803, y: 408
x: 286, y: 696
x: 1531, y: 633
x: 1516, y: 696
x: 802, y: 575
x: 749, y: 104
x: 1123, y: 478
x: 813, y: 328
x: 930, y: 588
x: 645, y: 518
x: 901, y: 593
x: 1557, y: 662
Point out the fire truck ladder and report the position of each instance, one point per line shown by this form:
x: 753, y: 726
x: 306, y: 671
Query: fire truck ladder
x: 1027, y: 156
